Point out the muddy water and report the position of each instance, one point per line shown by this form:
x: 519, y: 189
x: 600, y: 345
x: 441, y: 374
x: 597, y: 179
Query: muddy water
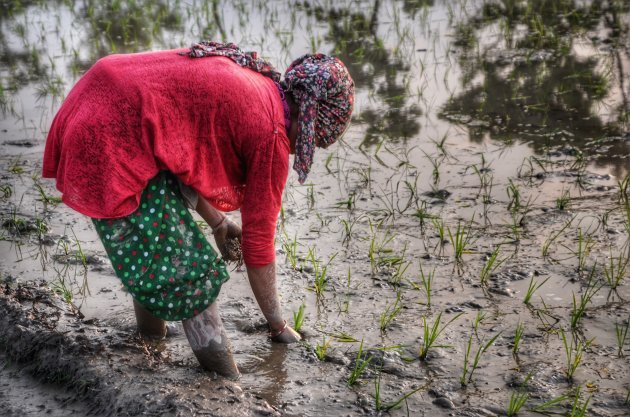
x: 487, y: 116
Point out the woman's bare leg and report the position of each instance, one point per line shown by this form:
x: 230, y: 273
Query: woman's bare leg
x: 209, y: 342
x: 148, y: 325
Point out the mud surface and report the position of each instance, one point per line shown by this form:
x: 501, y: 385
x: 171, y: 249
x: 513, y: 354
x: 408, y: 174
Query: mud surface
x: 486, y: 165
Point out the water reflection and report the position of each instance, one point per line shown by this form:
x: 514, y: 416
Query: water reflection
x: 354, y: 35
x: 539, y: 80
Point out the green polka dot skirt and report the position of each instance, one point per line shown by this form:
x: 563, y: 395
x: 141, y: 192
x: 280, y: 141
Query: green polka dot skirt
x: 161, y: 255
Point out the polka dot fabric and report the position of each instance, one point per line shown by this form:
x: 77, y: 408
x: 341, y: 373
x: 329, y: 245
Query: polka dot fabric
x: 161, y: 255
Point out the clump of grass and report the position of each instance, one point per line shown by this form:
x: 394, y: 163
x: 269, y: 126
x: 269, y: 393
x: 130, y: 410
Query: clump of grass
x: 531, y: 289
x: 431, y: 333
x: 471, y: 365
x: 563, y: 202
x: 518, y: 399
x: 579, y: 408
x: 585, y: 244
x: 298, y: 318
x: 426, y: 280
x: 461, y: 240
x: 545, y: 408
x: 422, y: 214
x: 360, y: 365
x: 320, y: 273
x: 615, y: 269
x: 621, y: 333
x: 290, y: 249
x: 379, y: 405
x: 552, y: 238
x: 6, y: 191
x: 579, y: 308
x: 440, y: 228
x: 321, y: 348
x: 390, y: 313
x: 574, y: 349
x: 514, y: 194
x: 518, y: 337
x: 492, y: 263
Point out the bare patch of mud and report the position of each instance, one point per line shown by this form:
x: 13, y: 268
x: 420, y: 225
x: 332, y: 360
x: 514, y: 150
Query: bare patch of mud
x: 88, y: 368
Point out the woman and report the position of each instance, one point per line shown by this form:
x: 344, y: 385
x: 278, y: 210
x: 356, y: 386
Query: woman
x: 141, y: 137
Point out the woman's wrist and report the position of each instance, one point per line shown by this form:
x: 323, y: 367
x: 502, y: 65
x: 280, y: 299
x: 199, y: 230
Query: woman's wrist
x: 278, y: 329
x: 220, y: 223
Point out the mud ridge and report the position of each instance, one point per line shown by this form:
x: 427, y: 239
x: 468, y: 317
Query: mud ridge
x: 108, y: 370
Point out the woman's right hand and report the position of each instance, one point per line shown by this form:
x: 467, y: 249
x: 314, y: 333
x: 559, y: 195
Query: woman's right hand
x: 228, y: 237
x: 287, y: 336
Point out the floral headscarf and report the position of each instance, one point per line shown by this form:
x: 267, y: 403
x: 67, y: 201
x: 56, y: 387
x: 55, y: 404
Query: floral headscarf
x: 324, y: 92
x: 244, y: 59
x: 319, y: 84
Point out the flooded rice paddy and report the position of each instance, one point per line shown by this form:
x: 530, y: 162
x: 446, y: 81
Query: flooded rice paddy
x: 463, y: 251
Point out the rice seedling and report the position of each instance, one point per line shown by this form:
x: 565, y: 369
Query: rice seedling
x: 289, y: 247
x: 579, y: 308
x: 518, y: 398
x: 563, y: 202
x: 310, y: 196
x: 298, y: 318
x: 616, y: 267
x: 574, y: 349
x: 422, y: 214
x: 440, y: 227
x: 46, y: 199
x: 531, y: 289
x: 545, y: 408
x: 360, y: 365
x: 585, y: 244
x: 554, y: 235
x: 621, y: 334
x: 579, y: 408
x: 471, y: 366
x: 6, y: 191
x: 514, y: 194
x: 461, y: 240
x: 435, y: 163
x: 348, y: 203
x: 624, y: 187
x: 386, y: 407
x: 426, y: 284
x: 16, y: 167
x: 321, y: 348
x: 492, y: 263
x: 479, y: 318
x: 392, y: 310
x: 348, y: 227
x: 378, y: 246
x: 518, y: 337
x: 319, y: 272
x: 431, y: 333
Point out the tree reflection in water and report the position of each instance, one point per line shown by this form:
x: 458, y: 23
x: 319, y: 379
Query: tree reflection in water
x: 534, y: 80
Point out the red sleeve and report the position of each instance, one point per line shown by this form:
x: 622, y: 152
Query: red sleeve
x: 267, y: 170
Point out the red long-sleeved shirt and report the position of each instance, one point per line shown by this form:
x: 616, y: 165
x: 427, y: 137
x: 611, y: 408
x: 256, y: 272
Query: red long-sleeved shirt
x: 217, y: 126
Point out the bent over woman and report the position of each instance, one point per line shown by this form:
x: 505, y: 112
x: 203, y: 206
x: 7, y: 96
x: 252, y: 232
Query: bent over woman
x: 141, y: 138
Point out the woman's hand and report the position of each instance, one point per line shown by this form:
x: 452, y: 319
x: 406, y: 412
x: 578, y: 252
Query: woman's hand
x: 228, y: 236
x: 285, y: 334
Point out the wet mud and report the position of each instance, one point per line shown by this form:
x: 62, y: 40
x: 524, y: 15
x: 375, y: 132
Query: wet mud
x: 100, y: 370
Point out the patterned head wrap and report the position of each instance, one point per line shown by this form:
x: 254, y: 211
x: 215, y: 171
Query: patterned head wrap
x: 324, y: 92
x: 320, y: 85
x: 244, y: 59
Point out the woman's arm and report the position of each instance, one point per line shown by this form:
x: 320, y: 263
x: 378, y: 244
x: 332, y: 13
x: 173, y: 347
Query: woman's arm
x: 263, y: 282
x: 223, y: 228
